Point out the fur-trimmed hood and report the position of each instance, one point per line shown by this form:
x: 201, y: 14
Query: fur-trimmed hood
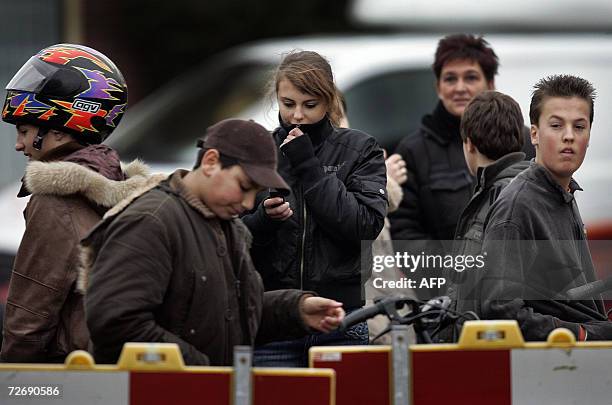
x: 63, y: 178
x: 86, y: 252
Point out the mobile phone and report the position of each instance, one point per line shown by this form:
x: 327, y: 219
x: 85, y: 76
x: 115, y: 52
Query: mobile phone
x: 276, y: 193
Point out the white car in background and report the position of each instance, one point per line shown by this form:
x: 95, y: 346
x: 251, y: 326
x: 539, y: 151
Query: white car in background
x: 388, y: 84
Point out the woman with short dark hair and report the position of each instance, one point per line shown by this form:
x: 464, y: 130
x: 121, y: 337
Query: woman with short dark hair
x: 439, y: 184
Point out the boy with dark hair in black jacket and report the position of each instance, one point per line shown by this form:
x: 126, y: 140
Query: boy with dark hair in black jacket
x: 534, y: 237
x: 491, y: 130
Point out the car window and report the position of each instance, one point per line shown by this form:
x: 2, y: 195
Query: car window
x: 169, y: 135
x: 390, y: 106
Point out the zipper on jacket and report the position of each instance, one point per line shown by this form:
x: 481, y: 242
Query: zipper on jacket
x: 237, y: 284
x: 303, y: 244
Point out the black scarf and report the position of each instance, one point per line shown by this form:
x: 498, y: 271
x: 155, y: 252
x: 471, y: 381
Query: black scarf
x: 442, y: 122
x: 316, y: 132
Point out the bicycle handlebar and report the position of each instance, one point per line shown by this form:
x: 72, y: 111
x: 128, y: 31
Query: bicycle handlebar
x: 386, y: 305
x: 361, y: 315
x: 589, y: 289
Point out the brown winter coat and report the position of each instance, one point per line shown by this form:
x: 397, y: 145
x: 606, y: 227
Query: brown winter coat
x: 44, y: 318
x: 162, y: 267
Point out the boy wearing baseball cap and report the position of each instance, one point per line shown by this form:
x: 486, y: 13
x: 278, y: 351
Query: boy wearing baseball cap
x: 172, y: 264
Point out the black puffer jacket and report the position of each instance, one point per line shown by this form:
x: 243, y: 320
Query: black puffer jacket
x: 439, y: 184
x: 338, y: 182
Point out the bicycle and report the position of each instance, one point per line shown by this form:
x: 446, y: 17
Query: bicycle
x: 428, y: 317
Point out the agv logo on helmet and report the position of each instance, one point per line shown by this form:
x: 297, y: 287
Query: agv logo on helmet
x: 87, y: 106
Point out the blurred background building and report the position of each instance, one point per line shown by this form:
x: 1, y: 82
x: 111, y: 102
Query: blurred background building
x: 25, y: 27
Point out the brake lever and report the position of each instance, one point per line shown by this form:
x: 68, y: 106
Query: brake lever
x: 392, y: 304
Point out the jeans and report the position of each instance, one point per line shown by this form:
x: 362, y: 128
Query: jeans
x: 294, y: 353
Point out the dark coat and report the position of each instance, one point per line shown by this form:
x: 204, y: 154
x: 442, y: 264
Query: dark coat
x: 71, y: 189
x: 162, y: 267
x: 338, y: 181
x: 438, y: 187
x: 536, y: 249
x: 491, y: 180
x: 439, y: 184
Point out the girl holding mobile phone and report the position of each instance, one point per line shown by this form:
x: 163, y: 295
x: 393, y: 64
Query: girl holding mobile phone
x: 312, y: 239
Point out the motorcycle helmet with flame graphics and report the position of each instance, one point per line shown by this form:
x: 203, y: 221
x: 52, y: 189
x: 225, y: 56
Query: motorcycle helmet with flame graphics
x: 70, y: 88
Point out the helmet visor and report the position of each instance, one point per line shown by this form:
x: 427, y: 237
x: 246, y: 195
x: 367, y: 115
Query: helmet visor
x: 32, y: 76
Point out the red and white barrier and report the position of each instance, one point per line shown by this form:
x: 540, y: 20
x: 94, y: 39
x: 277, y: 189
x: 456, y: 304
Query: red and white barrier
x: 154, y: 374
x: 491, y: 364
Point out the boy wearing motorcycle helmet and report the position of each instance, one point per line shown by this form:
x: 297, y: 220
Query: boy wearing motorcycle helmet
x: 64, y: 102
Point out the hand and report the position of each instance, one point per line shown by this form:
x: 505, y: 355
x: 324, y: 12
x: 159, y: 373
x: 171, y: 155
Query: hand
x: 321, y: 313
x: 396, y: 168
x: 275, y: 211
x: 294, y: 133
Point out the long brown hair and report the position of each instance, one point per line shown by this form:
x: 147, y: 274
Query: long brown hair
x: 312, y: 74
